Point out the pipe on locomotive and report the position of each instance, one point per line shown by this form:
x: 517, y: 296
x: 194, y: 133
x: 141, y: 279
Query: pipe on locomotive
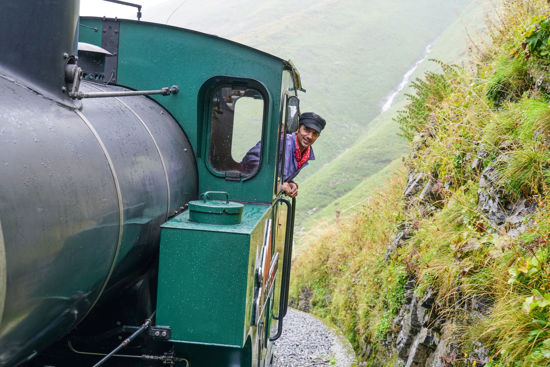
x: 83, y: 191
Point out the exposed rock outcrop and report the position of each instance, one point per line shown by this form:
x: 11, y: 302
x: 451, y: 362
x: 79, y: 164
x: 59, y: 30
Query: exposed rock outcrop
x: 304, y: 300
x: 415, y: 182
x: 420, y: 337
x: 403, y: 233
x: 425, y: 339
x: 503, y: 210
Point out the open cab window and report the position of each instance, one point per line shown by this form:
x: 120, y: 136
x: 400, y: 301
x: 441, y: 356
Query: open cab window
x: 237, y: 116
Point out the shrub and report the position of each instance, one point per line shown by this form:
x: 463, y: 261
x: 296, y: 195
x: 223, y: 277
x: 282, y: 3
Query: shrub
x: 510, y: 79
x: 537, y: 38
x: 428, y: 93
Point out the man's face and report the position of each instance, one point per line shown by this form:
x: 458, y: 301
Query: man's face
x: 306, y: 136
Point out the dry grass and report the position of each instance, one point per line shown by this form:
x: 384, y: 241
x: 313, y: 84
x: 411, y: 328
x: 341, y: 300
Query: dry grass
x: 344, y: 267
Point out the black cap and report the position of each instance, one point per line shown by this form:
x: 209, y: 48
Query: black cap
x: 313, y: 120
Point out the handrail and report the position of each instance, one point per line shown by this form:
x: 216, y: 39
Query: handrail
x: 289, y: 258
x: 285, y: 280
x: 285, y: 248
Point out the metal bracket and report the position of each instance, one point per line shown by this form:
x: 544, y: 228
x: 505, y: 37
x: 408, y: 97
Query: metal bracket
x: 233, y: 176
x: 160, y: 332
x: 73, y: 75
x: 109, y: 41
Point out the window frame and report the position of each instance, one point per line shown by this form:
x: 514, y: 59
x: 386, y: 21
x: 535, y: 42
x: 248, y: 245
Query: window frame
x: 214, y: 84
x: 286, y: 92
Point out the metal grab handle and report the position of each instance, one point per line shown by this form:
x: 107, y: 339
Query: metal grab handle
x: 282, y: 303
x: 166, y: 91
x: 285, y: 280
x: 204, y: 195
x: 289, y: 258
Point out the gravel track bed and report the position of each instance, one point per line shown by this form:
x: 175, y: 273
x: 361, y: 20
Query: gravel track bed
x: 306, y: 341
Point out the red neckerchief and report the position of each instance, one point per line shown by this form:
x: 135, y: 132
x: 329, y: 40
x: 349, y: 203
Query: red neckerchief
x: 301, y: 159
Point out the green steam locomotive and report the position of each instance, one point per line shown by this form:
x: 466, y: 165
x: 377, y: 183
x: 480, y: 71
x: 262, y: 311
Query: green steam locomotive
x: 130, y: 234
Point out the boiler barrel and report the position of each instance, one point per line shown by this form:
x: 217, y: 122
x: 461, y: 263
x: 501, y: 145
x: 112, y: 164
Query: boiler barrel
x: 82, y: 195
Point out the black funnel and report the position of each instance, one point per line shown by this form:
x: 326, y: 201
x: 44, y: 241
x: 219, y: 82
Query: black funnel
x: 34, y: 37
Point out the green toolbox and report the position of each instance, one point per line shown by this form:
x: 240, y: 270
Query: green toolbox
x: 206, y: 271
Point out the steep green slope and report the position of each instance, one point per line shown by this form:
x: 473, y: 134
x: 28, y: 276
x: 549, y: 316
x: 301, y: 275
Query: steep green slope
x: 320, y: 193
x: 345, y: 207
x: 365, y: 159
x: 460, y: 265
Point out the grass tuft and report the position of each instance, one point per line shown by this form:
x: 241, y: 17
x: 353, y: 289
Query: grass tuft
x: 509, y: 81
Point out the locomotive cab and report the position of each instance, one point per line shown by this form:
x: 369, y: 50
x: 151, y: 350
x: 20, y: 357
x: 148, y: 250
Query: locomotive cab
x: 220, y: 283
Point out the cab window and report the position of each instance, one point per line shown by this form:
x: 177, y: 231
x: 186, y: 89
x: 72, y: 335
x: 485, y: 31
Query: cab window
x: 236, y: 123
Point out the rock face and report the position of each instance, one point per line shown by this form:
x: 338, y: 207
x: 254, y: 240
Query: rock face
x: 425, y: 339
x: 420, y: 337
x: 502, y: 209
x: 445, y: 351
x: 304, y: 300
x: 402, y: 234
x: 415, y: 182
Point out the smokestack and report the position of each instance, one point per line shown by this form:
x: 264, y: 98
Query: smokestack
x: 37, y: 38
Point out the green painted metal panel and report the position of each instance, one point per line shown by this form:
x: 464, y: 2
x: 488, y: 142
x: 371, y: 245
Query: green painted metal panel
x: 206, y: 277
x: 188, y: 59
x: 205, y: 302
x: 90, y: 30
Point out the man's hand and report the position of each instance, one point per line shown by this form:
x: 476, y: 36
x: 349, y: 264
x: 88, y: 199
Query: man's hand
x: 290, y: 188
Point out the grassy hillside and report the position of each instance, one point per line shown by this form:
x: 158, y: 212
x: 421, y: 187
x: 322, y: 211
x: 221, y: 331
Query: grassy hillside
x: 325, y: 189
x: 320, y: 193
x: 346, y: 207
x: 478, y: 234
